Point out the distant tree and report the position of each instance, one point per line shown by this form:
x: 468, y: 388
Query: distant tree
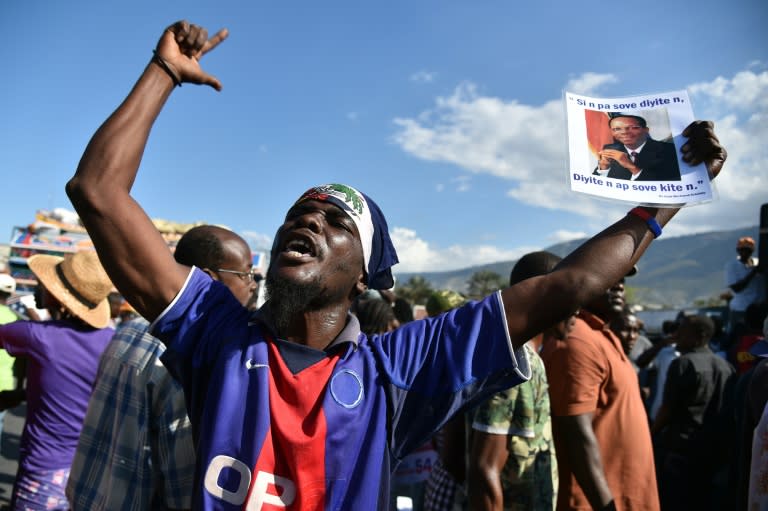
x: 483, y: 283
x: 630, y: 294
x: 712, y: 301
x: 416, y: 290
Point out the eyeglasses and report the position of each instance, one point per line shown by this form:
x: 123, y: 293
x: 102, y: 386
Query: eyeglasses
x: 252, y: 275
x: 626, y: 128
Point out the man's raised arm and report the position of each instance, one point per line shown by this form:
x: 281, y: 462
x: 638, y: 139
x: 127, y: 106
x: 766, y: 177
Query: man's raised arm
x: 130, y: 248
x: 598, y: 264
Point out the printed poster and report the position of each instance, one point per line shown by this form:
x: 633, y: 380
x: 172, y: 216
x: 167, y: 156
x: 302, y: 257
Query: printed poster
x: 628, y: 149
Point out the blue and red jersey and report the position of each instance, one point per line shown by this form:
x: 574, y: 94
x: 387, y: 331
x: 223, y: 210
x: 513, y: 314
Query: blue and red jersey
x: 280, y: 426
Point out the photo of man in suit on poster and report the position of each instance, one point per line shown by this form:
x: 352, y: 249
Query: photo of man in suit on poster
x: 633, y: 154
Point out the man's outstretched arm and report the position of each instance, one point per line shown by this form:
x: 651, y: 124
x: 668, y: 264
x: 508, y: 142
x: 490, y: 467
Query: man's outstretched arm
x: 132, y: 251
x: 534, y: 304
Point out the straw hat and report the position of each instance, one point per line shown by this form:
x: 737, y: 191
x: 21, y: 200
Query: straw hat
x: 78, y: 281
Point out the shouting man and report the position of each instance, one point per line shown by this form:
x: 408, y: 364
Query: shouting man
x: 295, y: 407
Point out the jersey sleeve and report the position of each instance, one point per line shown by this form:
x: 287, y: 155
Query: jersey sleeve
x: 194, y: 323
x: 440, y: 366
x: 202, y: 320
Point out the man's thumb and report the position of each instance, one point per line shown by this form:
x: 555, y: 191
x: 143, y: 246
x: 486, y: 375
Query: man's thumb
x: 212, y: 81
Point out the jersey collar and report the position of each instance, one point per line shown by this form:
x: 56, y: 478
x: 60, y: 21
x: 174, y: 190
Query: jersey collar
x: 349, y: 334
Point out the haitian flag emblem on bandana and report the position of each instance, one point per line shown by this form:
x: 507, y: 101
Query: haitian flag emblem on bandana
x: 378, y: 252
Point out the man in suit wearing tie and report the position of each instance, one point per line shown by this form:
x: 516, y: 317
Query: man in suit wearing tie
x: 636, y: 156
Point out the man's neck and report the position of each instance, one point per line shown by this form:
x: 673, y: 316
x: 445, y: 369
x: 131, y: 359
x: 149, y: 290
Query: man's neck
x: 316, y: 329
x: 536, y: 342
x: 606, y: 315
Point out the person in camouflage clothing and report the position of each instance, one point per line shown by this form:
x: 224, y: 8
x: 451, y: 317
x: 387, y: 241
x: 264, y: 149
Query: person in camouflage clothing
x: 512, y: 464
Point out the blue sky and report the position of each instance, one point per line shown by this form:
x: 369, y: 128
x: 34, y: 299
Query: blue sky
x: 449, y: 114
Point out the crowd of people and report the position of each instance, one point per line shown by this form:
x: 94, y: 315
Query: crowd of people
x: 669, y: 425
x: 331, y: 395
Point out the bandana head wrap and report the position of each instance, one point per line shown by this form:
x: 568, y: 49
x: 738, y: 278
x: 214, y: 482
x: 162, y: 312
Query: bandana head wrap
x: 378, y: 252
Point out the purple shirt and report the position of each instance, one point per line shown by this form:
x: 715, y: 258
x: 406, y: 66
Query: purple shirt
x: 62, y: 361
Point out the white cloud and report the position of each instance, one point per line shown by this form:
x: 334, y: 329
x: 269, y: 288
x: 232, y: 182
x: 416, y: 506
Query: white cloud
x: 462, y: 183
x: 739, y: 108
x: 589, y: 83
x: 562, y: 235
x: 523, y: 144
x: 416, y: 254
x: 257, y: 240
x: 486, y: 135
x: 423, y: 77
x: 744, y: 92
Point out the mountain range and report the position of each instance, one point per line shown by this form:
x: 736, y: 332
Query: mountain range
x: 674, y: 272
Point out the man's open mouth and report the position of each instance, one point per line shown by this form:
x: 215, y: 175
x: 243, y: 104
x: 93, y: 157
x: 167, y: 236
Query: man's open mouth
x: 299, y: 247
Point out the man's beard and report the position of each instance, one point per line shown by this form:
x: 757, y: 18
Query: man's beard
x: 286, y: 299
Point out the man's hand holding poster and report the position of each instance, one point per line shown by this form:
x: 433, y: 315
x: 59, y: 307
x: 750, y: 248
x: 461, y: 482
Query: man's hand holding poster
x: 629, y: 149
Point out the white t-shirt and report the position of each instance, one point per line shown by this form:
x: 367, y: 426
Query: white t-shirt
x: 662, y: 362
x: 735, y: 270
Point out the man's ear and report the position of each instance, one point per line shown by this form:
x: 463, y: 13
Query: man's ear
x: 211, y: 273
x: 362, y: 284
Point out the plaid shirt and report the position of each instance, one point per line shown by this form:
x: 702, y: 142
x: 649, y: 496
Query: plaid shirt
x: 135, y: 450
x: 441, y: 490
